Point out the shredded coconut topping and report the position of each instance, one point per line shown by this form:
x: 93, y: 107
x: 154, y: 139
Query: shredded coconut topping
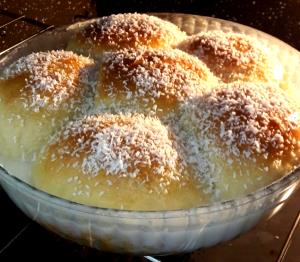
x: 163, y: 77
x: 50, y: 78
x: 231, y: 56
x: 251, y: 121
x: 131, y: 30
x: 126, y: 145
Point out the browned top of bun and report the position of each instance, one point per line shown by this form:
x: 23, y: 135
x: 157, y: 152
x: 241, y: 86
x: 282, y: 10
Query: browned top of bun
x: 123, y: 145
x: 231, y: 56
x: 254, y: 122
x: 159, y: 76
x: 45, y: 79
x: 130, y: 30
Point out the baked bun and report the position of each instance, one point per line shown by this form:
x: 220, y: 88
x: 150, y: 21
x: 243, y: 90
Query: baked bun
x: 156, y: 81
x: 248, y: 135
x: 117, y: 161
x: 38, y: 93
x: 234, y: 57
x: 125, y: 31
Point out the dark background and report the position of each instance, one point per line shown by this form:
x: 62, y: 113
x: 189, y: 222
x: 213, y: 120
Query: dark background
x: 22, y: 238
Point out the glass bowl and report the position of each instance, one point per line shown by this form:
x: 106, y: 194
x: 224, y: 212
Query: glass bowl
x: 150, y: 232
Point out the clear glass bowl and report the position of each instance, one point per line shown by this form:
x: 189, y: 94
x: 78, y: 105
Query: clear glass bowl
x: 162, y: 232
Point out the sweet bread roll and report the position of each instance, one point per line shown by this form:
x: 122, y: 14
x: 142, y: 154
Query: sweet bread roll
x: 38, y: 93
x: 234, y: 57
x: 117, y: 161
x: 125, y: 31
x: 248, y: 135
x: 155, y: 81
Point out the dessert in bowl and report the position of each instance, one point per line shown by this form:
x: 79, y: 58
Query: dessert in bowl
x: 164, y: 156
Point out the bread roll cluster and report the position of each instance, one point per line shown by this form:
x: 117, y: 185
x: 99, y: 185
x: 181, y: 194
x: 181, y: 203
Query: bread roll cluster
x: 137, y: 115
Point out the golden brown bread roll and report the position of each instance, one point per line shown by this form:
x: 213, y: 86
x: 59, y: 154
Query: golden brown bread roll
x: 155, y: 81
x: 118, y: 161
x: 248, y: 135
x: 38, y: 93
x: 119, y: 31
x: 234, y: 57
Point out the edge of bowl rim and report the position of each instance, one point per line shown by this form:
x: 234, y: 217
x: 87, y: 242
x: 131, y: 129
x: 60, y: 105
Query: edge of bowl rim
x: 276, y: 187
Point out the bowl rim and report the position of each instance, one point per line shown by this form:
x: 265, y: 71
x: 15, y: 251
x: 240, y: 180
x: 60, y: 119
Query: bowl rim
x: 227, y: 22
x: 278, y: 185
